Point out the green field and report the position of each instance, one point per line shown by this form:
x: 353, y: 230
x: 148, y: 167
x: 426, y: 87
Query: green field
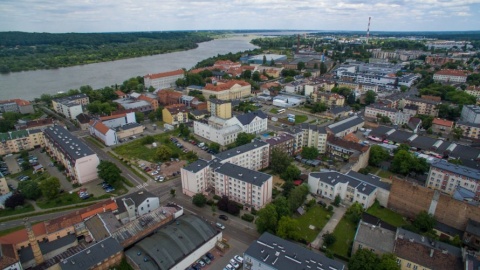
x: 344, y: 233
x: 69, y: 199
x: 316, y: 216
x: 386, y: 215
x: 9, y: 212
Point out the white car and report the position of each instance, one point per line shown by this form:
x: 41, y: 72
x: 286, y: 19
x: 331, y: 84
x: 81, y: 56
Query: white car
x: 234, y: 263
x: 237, y: 258
x: 230, y: 267
x: 154, y: 173
x: 219, y: 225
x: 159, y: 178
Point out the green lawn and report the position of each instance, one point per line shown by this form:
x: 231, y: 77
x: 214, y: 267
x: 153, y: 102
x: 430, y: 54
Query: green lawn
x: 385, y: 174
x: 96, y: 142
x: 300, y: 118
x: 25, y: 209
x: 344, y: 233
x: 68, y: 199
x: 316, y: 216
x: 386, y: 215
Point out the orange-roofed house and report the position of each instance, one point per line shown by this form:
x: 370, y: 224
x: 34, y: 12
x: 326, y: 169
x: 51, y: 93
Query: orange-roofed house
x: 19, y: 239
x: 450, y: 75
x: 226, y: 64
x: 105, y: 134
x: 120, y: 94
x: 442, y: 125
x: 163, y: 80
x: 175, y: 114
x: 226, y: 90
x: 16, y: 105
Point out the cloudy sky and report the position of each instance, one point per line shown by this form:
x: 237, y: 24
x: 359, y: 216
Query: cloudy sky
x: 152, y: 15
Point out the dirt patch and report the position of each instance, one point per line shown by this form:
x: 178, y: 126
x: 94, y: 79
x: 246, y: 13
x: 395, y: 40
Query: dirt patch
x: 168, y: 168
x: 277, y: 181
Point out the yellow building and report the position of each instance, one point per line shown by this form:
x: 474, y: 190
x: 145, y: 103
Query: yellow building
x: 227, y: 90
x: 175, y: 114
x: 329, y: 99
x: 219, y: 108
x: 16, y: 141
x: 4, y: 189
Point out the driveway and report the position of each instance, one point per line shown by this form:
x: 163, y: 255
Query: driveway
x: 44, y: 159
x: 330, y: 226
x: 12, y: 164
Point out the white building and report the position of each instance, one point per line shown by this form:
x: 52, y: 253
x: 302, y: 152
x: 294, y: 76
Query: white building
x: 79, y: 160
x: 387, y: 81
x: 286, y: 101
x: 448, y: 178
x: 350, y: 187
x: 251, y: 188
x: 450, y: 75
x: 136, y: 205
x: 397, y: 117
x: 163, y: 80
x: 254, y: 155
x: 314, y: 136
x: 118, y: 120
x: 408, y: 79
x: 70, y: 106
x: 220, y: 135
x: 107, y: 135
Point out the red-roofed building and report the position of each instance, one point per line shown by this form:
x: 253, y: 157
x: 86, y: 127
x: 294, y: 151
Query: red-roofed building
x: 16, y: 105
x: 169, y: 97
x: 120, y: 94
x: 152, y: 101
x: 163, y: 80
x: 451, y: 75
x: 442, y: 125
x: 226, y: 90
x: 19, y: 239
x: 226, y: 64
x: 105, y: 134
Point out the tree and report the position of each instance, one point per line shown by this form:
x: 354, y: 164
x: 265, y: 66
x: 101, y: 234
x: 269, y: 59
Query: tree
x: 244, y: 138
x: 403, y: 88
x: 279, y: 160
x: 151, y: 89
x: 300, y: 65
x: 183, y: 129
x: 215, y: 147
x: 158, y: 114
x: 151, y: 116
x: 223, y: 203
x: 297, y: 197
x: 287, y: 187
x: 272, y: 62
x: 319, y: 107
x: 354, y: 212
x: 199, y: 199
x: 457, y: 133
x: 377, y: 155
x: 26, y: 165
x: 337, y: 200
x: 307, y: 74
x: 287, y: 228
x: 328, y: 239
x: 363, y: 259
x: 15, y: 200
x: 173, y: 192
x: 149, y: 139
x: 256, y: 76
x: 282, y: 206
x: 264, y: 61
x: 108, y: 171
x: 267, y: 219
x: 370, y: 97
x: 291, y: 173
x: 30, y: 190
x: 310, y: 152
x: 163, y: 152
x: 323, y: 68
x: 50, y: 187
x: 424, y: 222
x: 232, y: 208
x: 140, y: 117
x: 388, y: 261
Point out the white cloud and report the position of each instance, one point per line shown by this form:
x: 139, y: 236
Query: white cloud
x: 150, y: 15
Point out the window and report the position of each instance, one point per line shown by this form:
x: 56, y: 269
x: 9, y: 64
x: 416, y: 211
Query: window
x: 409, y: 265
x: 415, y: 267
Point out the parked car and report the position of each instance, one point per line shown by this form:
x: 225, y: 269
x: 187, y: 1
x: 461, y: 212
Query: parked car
x: 230, y: 267
x: 224, y: 217
x: 210, y: 256
x: 220, y: 226
x: 238, y: 258
x: 234, y: 263
x: 206, y: 259
x: 202, y: 263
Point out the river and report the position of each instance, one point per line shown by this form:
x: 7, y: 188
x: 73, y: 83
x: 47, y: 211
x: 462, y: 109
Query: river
x: 31, y: 84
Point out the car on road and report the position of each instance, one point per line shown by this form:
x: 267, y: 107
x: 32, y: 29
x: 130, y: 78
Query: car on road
x: 224, y: 217
x: 238, y: 258
x: 322, y: 203
x: 220, y: 226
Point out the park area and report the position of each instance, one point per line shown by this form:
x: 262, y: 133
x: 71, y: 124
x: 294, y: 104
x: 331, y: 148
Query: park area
x: 316, y: 216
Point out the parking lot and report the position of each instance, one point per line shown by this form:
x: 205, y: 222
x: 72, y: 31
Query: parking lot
x: 223, y: 258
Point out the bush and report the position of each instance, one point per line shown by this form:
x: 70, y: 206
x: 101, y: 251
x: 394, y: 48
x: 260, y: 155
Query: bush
x: 337, y: 200
x: 199, y: 200
x: 253, y: 211
x: 330, y: 208
x: 210, y: 202
x: 216, y: 197
x: 248, y: 217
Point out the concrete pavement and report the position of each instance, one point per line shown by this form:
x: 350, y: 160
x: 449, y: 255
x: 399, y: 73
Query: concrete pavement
x: 338, y: 213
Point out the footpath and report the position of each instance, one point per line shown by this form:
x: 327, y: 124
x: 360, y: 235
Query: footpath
x: 338, y: 214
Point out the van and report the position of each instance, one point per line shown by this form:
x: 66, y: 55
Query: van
x: 201, y: 144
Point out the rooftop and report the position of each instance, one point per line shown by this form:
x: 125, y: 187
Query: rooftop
x: 442, y: 122
x: 473, y: 227
x: 69, y: 144
x: 370, y: 178
x: 378, y: 238
x: 457, y: 169
x: 26, y: 254
x: 20, y: 236
x: 240, y: 150
x: 196, y: 166
x: 225, y: 85
x: 70, y: 98
x: 92, y: 256
x: 280, y: 139
x: 165, y: 74
x: 278, y: 253
x: 452, y: 72
x: 243, y: 174
x: 346, y: 124
x: 171, y: 243
x: 332, y: 178
x: 137, y: 198
x: 247, y: 118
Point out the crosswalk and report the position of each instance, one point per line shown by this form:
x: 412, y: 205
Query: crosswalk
x: 144, y: 185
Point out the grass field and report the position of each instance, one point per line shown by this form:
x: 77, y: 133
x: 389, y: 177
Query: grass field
x: 68, y: 199
x: 9, y: 212
x: 386, y: 215
x: 273, y: 110
x: 344, y: 233
x: 300, y: 118
x: 316, y: 216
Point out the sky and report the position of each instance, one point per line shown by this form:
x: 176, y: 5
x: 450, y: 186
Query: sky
x: 59, y: 16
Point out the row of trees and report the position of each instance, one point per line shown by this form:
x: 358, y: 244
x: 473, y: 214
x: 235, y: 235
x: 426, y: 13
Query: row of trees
x: 403, y: 162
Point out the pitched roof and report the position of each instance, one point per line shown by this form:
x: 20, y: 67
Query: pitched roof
x: 92, y: 256
x: 113, y: 116
x: 119, y: 93
x: 101, y: 127
x: 442, y: 122
x: 247, y: 118
x: 378, y: 238
x: 21, y: 235
x: 176, y: 108
x: 83, y: 118
x: 452, y: 72
x: 239, y: 150
x: 225, y: 85
x: 346, y: 124
x: 165, y: 74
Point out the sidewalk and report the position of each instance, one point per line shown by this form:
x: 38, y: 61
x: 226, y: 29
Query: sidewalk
x: 330, y: 226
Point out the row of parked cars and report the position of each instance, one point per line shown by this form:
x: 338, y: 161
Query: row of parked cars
x: 202, y: 146
x: 4, y: 168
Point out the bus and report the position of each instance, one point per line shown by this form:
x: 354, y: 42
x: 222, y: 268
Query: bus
x: 279, y: 111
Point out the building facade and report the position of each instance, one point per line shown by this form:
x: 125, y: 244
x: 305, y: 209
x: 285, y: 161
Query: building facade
x: 163, y: 80
x: 470, y: 114
x: 219, y: 108
x: 16, y: 105
x: 79, y: 160
x: 346, y: 126
x: 16, y: 141
x: 450, y: 76
x: 70, y: 106
x: 470, y: 130
x: 442, y: 126
x: 227, y: 90
x: 175, y: 114
x: 427, y: 107
x: 99, y: 130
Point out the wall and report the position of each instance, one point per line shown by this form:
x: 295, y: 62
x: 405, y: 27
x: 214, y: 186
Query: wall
x: 408, y: 200
x: 199, y: 252
x: 86, y: 168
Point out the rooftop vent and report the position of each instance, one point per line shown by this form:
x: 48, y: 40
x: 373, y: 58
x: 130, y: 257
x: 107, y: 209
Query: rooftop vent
x: 411, y: 240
